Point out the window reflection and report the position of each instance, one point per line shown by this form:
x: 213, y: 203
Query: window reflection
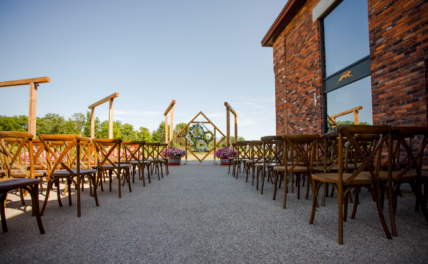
x: 351, y: 96
x: 346, y: 35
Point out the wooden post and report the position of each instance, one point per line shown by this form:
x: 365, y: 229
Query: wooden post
x: 171, y: 130
x: 166, y: 129
x: 215, y: 130
x: 110, y: 120
x: 186, y: 146
x: 228, y: 126
x: 32, y: 116
x: 93, y: 122
x: 356, y: 121
x: 236, y: 128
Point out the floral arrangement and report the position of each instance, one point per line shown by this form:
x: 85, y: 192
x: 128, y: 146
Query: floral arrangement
x: 174, y: 152
x: 200, y: 138
x: 225, y: 153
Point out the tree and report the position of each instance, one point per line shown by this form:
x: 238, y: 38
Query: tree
x: 14, y: 123
x: 144, y: 134
x: 80, y: 121
x: 158, y: 135
x: 127, y: 132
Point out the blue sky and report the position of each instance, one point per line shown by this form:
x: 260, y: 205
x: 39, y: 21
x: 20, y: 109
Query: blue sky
x: 200, y: 53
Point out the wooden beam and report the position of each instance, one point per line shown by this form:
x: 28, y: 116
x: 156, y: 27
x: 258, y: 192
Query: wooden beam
x: 347, y: 112
x: 228, y: 126
x: 171, y: 105
x: 102, y: 101
x: 171, y: 130
x: 110, y: 119
x: 32, y: 116
x: 166, y: 129
x: 356, y: 121
x: 236, y: 128
x: 231, y: 109
x: 25, y: 81
x: 93, y: 122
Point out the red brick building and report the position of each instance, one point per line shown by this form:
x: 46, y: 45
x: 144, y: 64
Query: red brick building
x: 333, y: 55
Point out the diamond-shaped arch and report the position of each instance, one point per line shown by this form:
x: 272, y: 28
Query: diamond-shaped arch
x: 215, y: 130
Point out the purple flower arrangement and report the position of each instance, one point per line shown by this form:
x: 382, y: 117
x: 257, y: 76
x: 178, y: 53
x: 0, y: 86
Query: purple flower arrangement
x: 174, y: 152
x: 225, y: 153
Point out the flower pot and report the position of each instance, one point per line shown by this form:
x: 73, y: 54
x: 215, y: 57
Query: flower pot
x: 224, y: 162
x: 174, y: 161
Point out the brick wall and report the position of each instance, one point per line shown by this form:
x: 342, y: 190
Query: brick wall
x: 297, y: 67
x: 398, y: 57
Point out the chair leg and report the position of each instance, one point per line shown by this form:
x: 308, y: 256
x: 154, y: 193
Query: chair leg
x: 50, y: 183
x: 3, y: 197
x: 118, y: 183
x: 284, y: 203
x: 357, y: 200
x: 21, y: 196
x: 58, y: 192
x: 34, y: 192
x: 276, y: 178
x: 340, y: 215
x: 314, y: 202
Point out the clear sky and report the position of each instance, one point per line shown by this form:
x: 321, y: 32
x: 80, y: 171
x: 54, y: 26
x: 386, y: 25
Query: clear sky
x: 200, y: 53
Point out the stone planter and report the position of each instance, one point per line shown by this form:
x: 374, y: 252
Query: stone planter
x: 174, y: 161
x: 224, y: 162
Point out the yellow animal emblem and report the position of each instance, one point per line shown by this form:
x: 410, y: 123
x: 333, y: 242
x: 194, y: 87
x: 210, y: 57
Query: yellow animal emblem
x: 345, y: 75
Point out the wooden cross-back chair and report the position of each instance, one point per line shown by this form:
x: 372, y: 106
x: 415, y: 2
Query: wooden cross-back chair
x: 134, y: 157
x: 244, y: 154
x: 15, y: 161
x: 163, y: 158
x: 152, y: 152
x: 302, y: 150
x: 411, y: 173
x: 364, y: 176
x: 109, y: 156
x: 272, y: 156
x: 256, y: 157
x: 59, y: 149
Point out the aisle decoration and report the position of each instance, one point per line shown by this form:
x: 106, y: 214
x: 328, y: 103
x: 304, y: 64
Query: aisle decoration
x: 174, y: 155
x: 224, y: 154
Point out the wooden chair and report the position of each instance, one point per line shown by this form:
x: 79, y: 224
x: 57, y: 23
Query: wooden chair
x: 272, y: 156
x: 411, y: 173
x: 62, y: 168
x: 364, y: 176
x: 303, y: 148
x: 244, y: 154
x: 31, y: 185
x: 13, y: 145
x: 163, y: 158
x: 256, y: 152
x: 109, y: 156
x: 133, y: 152
x: 152, y: 151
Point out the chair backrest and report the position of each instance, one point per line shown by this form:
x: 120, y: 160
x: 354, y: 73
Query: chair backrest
x: 134, y: 150
x: 244, y: 150
x: 358, y: 136
x: 415, y: 154
x: 303, y: 148
x: 330, y: 150
x: 59, y: 152
x: 256, y: 148
x: 108, y: 152
x: 151, y: 150
x: 12, y: 145
x: 272, y: 149
x: 162, y: 149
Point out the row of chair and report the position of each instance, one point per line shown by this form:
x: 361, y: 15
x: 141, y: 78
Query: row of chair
x: 378, y: 158
x: 26, y: 162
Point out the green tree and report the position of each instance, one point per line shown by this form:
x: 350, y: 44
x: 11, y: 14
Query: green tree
x: 14, y: 123
x: 144, y: 134
x: 158, y: 135
x: 127, y: 132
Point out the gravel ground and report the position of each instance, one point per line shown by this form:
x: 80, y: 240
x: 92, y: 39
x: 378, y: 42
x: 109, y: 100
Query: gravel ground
x: 201, y: 214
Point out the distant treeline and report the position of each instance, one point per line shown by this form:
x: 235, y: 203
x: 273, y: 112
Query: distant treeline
x: 81, y: 124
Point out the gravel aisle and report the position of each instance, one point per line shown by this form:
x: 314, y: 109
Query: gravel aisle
x: 201, y: 214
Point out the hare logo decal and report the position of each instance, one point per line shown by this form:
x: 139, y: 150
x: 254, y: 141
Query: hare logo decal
x: 345, y: 75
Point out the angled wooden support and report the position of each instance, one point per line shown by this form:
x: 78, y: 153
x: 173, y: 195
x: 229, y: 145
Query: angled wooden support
x: 228, y: 110
x: 34, y: 83
x: 170, y: 110
x: 110, y: 99
x: 353, y: 110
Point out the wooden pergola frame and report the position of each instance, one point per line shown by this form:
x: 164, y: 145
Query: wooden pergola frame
x: 170, y: 110
x: 110, y: 99
x: 228, y: 110
x: 34, y: 83
x: 355, y: 110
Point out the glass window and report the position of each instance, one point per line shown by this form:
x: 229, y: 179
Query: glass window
x: 346, y: 35
x: 351, y: 96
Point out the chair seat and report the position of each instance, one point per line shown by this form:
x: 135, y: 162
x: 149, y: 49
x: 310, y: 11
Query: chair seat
x: 269, y: 165
x: 407, y: 177
x: 20, y: 174
x: 109, y: 166
x: 318, y: 168
x: 361, y: 179
x: 295, y: 169
x: 64, y: 173
x: 12, y: 183
x: 134, y: 162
